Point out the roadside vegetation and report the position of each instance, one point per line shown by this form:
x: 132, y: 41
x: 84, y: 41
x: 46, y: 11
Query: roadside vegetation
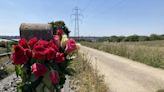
x: 162, y: 90
x: 150, y: 53
x: 6, y: 68
x: 130, y: 38
x: 86, y: 79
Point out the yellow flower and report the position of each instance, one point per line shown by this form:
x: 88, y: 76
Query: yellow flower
x: 78, y: 46
x: 64, y: 40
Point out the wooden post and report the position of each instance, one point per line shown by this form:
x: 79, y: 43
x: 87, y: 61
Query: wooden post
x: 41, y: 31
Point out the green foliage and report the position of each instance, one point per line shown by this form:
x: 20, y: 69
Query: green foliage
x: 114, y: 39
x: 59, y: 25
x: 18, y: 70
x: 155, y: 37
x: 131, y: 38
x: 70, y: 71
x: 143, y: 38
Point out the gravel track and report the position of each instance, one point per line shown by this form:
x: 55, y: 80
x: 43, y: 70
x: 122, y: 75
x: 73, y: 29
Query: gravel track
x: 124, y: 75
x: 9, y: 84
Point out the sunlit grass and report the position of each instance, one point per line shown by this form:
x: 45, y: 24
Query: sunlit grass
x: 86, y: 79
x: 144, y: 53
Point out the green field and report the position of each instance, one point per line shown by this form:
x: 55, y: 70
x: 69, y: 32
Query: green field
x: 148, y: 52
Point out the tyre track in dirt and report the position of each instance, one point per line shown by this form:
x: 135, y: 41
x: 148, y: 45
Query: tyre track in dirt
x: 124, y: 75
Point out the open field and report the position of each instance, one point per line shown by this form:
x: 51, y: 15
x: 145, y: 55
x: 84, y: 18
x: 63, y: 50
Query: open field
x: 158, y: 43
x: 150, y: 53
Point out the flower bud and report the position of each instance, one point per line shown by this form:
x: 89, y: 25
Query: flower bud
x: 70, y: 46
x: 39, y: 69
x: 54, y: 77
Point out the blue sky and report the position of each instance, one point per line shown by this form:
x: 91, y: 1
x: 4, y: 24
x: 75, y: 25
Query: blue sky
x: 101, y: 17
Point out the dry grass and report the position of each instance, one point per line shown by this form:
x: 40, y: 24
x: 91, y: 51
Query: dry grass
x: 142, y: 52
x: 157, y: 43
x: 2, y: 50
x: 86, y: 78
x: 5, y: 69
x: 161, y: 90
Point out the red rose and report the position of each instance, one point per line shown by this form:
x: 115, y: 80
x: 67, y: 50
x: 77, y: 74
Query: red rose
x: 43, y: 43
x: 39, y: 52
x: 57, y: 40
x: 54, y: 77
x: 39, y: 69
x: 23, y: 42
x: 70, y: 46
x: 59, y: 57
x: 54, y: 46
x: 59, y: 32
x: 50, y: 53
x: 28, y: 53
x: 32, y: 42
x: 19, y: 56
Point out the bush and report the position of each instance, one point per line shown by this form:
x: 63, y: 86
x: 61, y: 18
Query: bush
x: 59, y: 25
x: 131, y: 38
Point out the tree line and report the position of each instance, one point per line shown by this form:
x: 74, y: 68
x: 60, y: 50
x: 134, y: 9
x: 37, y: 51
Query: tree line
x: 132, y: 38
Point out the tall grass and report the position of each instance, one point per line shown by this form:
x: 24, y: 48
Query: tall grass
x: 5, y: 70
x: 86, y: 78
x: 2, y: 50
x: 150, y: 55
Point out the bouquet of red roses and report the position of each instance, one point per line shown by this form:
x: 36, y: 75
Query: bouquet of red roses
x: 43, y: 64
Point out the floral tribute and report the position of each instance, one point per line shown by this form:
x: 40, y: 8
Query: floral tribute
x: 43, y: 64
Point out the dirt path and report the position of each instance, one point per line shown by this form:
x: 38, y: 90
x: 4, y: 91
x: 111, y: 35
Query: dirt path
x: 124, y: 75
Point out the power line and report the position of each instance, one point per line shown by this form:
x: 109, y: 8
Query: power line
x: 76, y: 16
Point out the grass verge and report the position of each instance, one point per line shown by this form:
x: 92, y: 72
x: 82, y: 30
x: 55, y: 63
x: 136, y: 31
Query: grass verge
x: 86, y: 79
x: 5, y: 69
x: 149, y: 55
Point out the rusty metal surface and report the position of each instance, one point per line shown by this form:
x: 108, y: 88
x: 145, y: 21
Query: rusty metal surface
x: 41, y: 31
